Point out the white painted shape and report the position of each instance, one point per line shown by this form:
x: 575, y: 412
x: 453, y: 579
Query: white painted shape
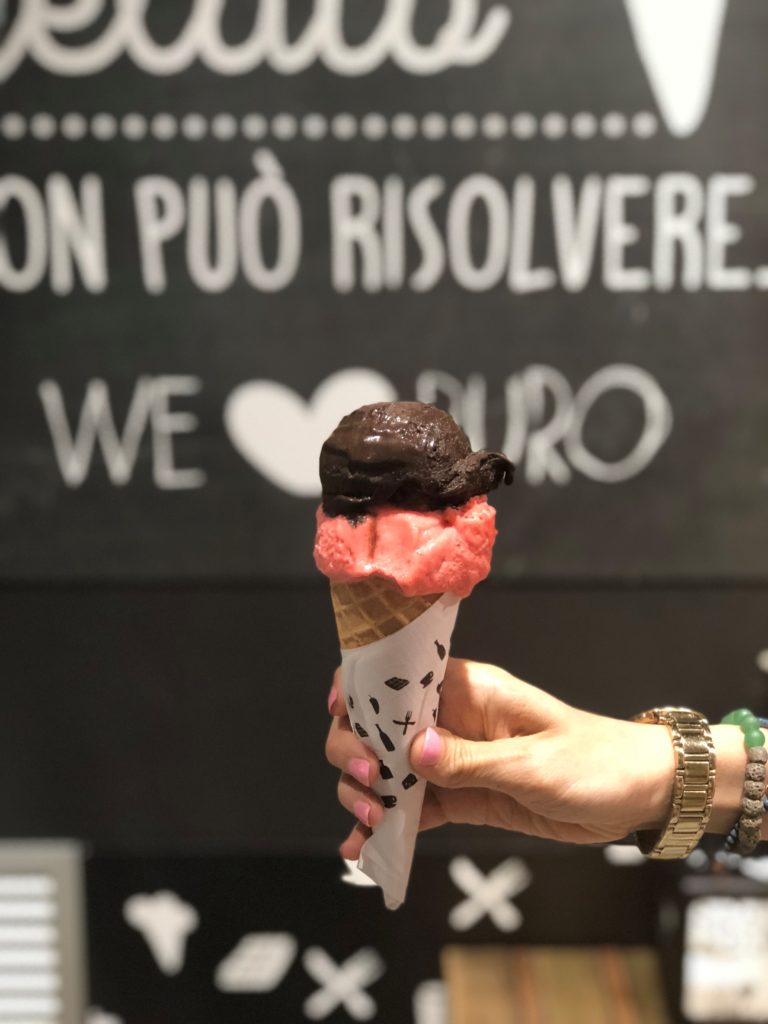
x: 104, y: 126
x: 584, y: 125
x: 258, y: 963
x: 430, y: 1003
x: 164, y: 127
x: 73, y: 126
x: 13, y: 125
x: 494, y: 126
x: 280, y: 434
x: 488, y: 895
x: 614, y: 125
x: 224, y: 127
x: 284, y: 126
x: 464, y: 126
x: 434, y: 126
x: 644, y: 124
x: 554, y: 125
x: 194, y: 127
x: 524, y: 126
x: 342, y: 985
x: 374, y: 126
x: 678, y: 42
x: 166, y: 922
x: 134, y: 126
x: 344, y: 126
x: 43, y: 126
x: 404, y: 126
x: 314, y: 126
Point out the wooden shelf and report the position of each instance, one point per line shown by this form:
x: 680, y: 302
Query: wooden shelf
x: 554, y: 985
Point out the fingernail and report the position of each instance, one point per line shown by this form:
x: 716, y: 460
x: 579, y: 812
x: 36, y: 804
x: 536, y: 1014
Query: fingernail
x: 360, y: 770
x: 362, y: 811
x: 432, y: 748
x: 332, y: 699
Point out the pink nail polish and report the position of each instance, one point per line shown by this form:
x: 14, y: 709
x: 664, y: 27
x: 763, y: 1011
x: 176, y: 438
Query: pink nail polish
x: 433, y: 746
x: 362, y: 811
x: 332, y: 698
x: 360, y: 770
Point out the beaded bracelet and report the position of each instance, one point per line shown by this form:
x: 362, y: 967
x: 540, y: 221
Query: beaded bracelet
x: 745, y: 834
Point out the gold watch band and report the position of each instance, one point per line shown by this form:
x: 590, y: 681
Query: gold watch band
x: 694, y: 783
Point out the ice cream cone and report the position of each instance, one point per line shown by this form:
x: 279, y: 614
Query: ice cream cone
x: 391, y: 685
x: 373, y: 608
x: 404, y: 511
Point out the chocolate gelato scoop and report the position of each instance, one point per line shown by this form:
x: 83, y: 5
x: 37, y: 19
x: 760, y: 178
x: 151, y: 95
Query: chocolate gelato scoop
x: 408, y: 454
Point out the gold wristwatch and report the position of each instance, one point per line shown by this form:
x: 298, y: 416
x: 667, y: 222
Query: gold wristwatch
x: 694, y: 783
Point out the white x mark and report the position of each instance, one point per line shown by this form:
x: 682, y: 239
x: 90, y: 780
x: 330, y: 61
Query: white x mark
x: 488, y: 894
x: 342, y: 984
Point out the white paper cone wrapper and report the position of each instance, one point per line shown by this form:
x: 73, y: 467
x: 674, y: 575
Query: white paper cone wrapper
x: 392, y: 691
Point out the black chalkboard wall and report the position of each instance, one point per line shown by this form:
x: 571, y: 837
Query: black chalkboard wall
x: 226, y: 224
x: 223, y: 228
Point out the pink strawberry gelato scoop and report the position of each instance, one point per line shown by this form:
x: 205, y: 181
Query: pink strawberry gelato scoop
x: 444, y: 551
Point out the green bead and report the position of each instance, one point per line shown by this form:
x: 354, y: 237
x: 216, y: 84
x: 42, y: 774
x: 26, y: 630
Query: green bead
x: 740, y: 715
x: 727, y: 719
x: 749, y: 724
x: 754, y: 738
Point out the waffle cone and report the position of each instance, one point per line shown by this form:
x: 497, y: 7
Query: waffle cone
x: 373, y: 608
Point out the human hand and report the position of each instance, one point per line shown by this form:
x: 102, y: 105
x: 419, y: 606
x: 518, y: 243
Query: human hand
x: 510, y: 755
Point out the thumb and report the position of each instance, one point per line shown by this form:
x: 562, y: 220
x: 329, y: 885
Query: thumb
x: 453, y: 762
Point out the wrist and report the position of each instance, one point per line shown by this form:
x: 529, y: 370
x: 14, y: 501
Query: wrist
x: 656, y: 757
x: 729, y: 779
x: 693, y: 784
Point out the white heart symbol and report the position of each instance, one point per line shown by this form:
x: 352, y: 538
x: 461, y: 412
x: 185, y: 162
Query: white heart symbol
x: 281, y: 435
x: 678, y: 42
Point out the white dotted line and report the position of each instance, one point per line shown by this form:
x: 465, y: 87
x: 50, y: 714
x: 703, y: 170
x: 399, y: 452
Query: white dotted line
x: 164, y: 127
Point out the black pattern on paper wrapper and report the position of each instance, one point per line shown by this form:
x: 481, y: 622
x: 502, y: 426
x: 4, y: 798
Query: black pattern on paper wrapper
x: 408, y: 720
x: 434, y: 714
x: 374, y: 704
x: 395, y: 683
x: 440, y: 650
x: 427, y: 679
x: 360, y: 731
x: 386, y: 772
x: 388, y: 744
x: 351, y: 702
x: 409, y: 780
x: 440, y: 686
x: 388, y: 800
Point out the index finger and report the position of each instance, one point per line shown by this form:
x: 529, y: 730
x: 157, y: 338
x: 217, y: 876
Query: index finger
x: 345, y: 751
x: 336, y: 705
